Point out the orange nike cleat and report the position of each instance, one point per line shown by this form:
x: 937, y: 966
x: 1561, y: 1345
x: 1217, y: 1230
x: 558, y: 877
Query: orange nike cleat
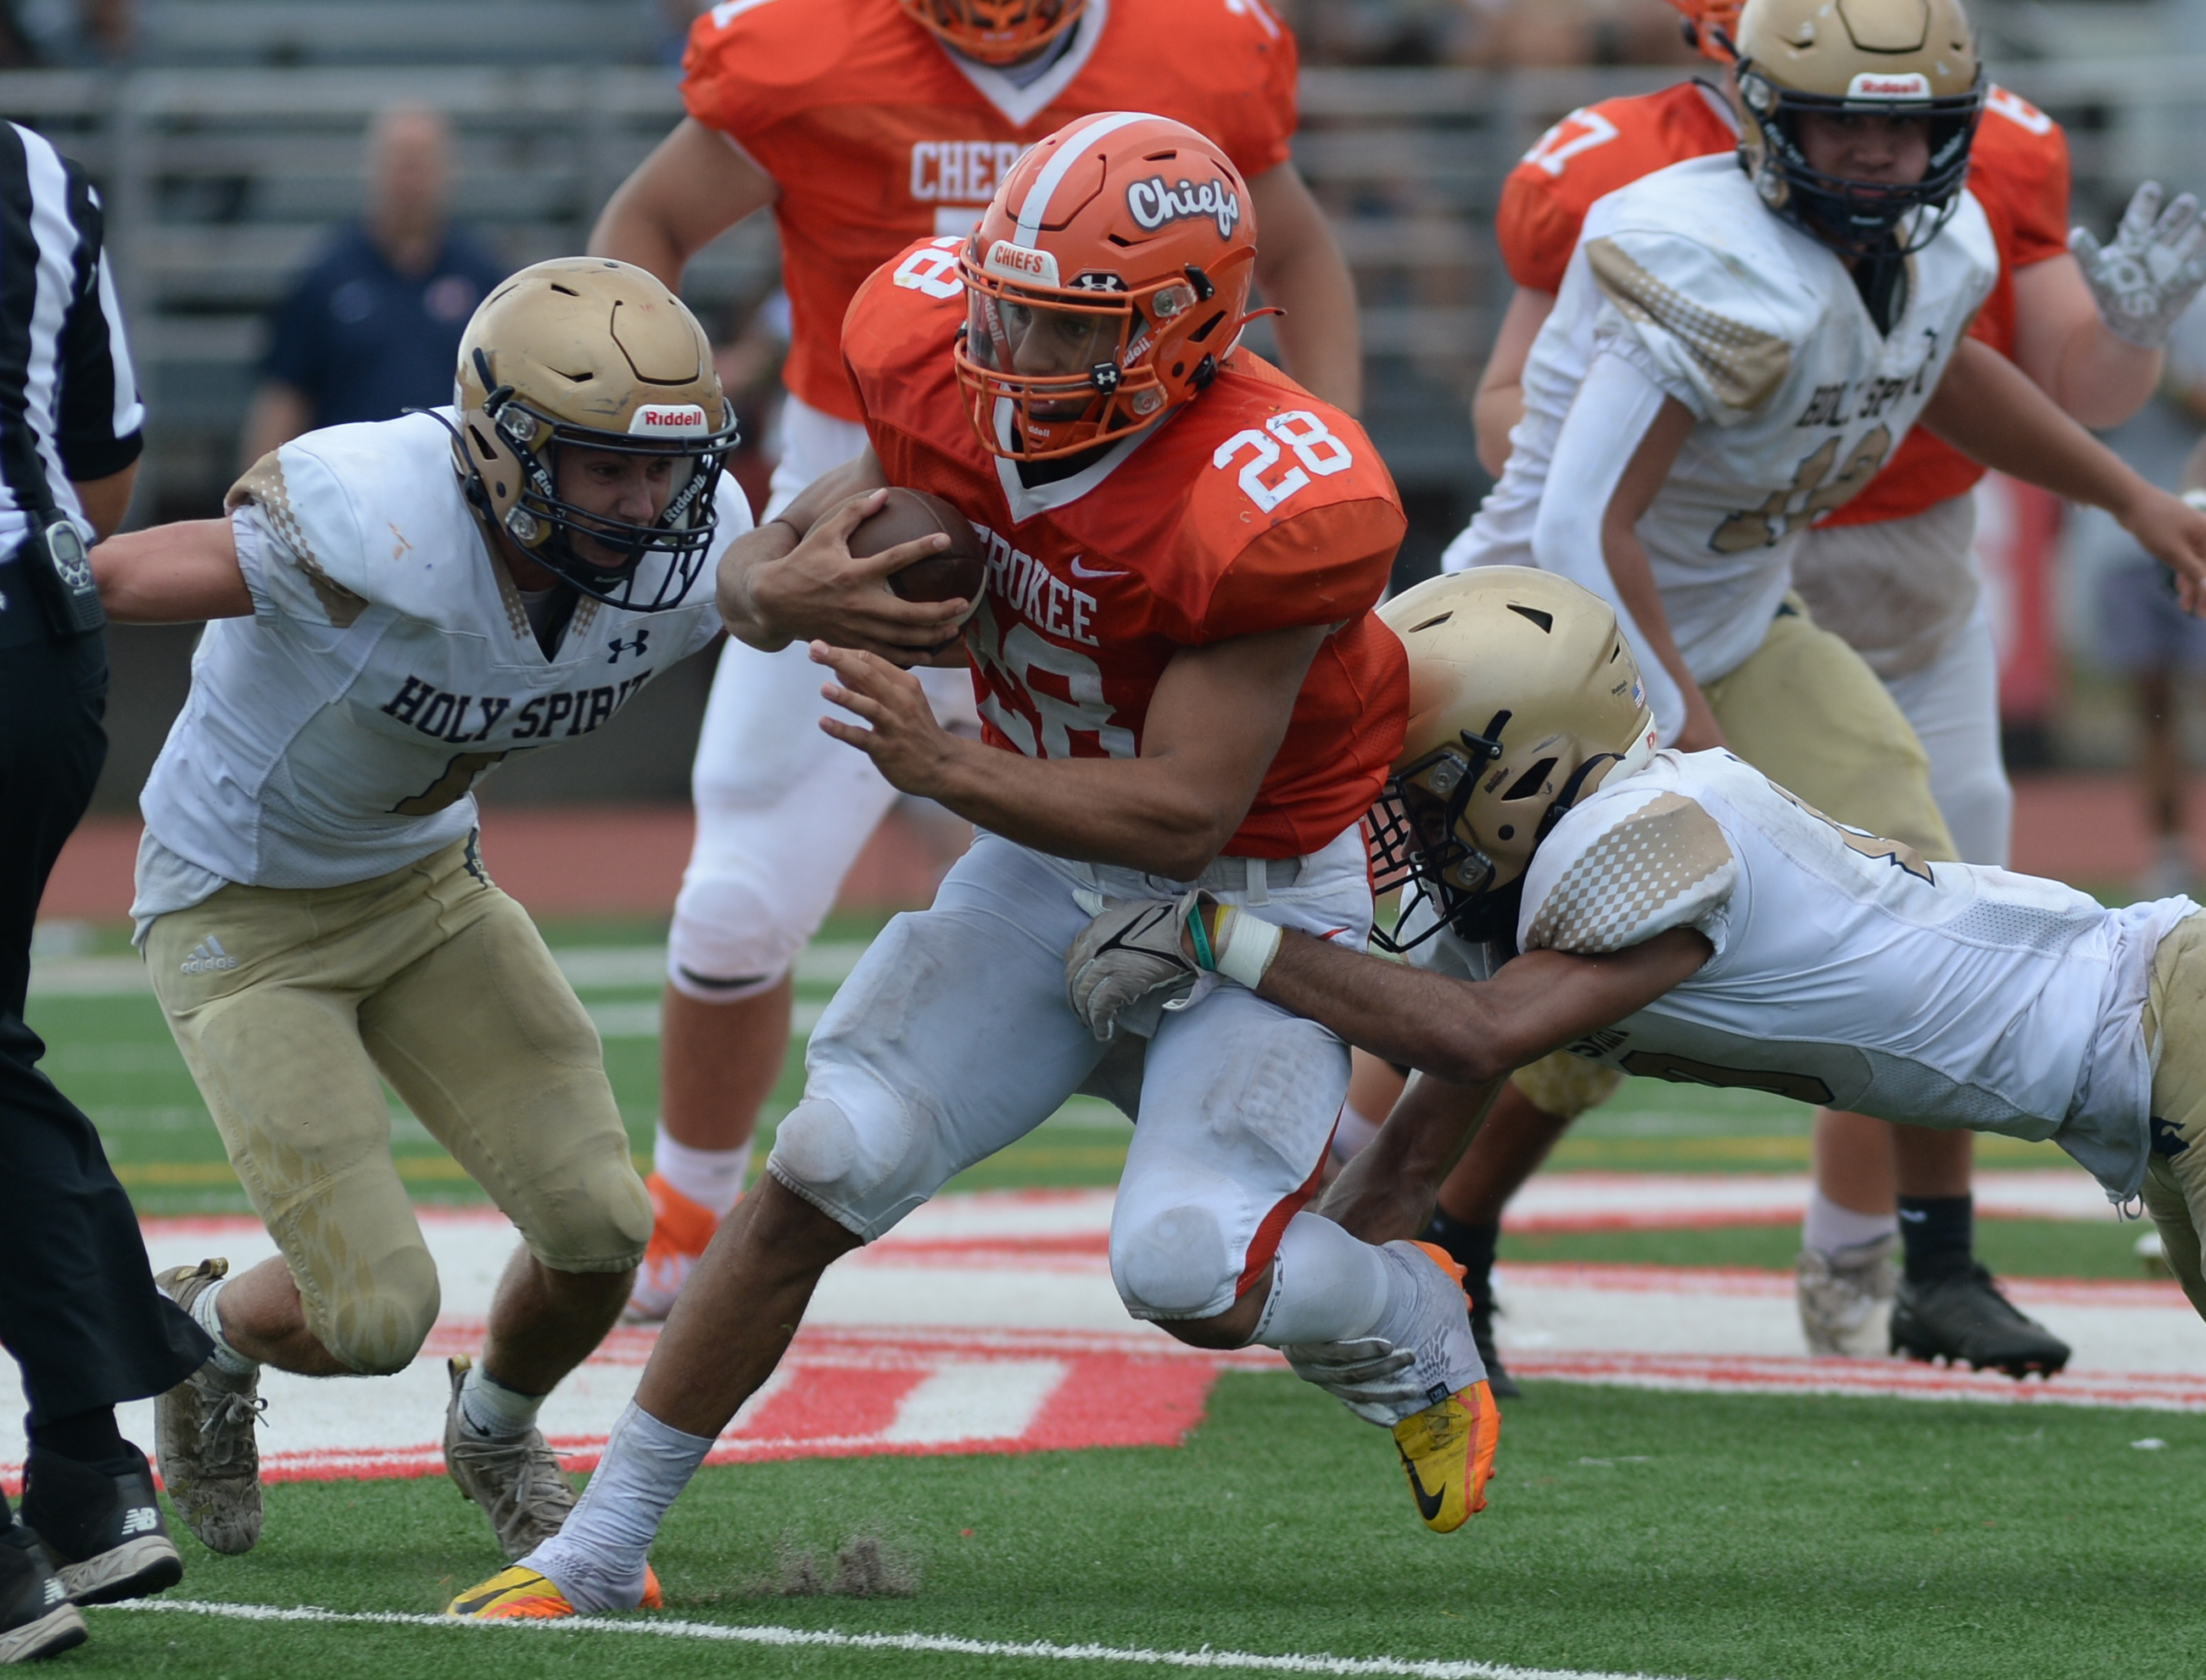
x: 519, y: 1594
x: 680, y: 1231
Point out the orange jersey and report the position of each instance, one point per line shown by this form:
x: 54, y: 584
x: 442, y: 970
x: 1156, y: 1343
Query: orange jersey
x: 2017, y: 169
x: 1256, y: 507
x: 877, y: 136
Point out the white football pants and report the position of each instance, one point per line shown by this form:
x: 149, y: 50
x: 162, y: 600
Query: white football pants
x: 1954, y: 703
x: 952, y: 1039
x: 783, y: 810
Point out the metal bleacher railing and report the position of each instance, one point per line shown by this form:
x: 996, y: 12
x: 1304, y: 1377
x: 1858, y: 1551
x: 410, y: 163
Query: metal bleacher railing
x: 219, y: 180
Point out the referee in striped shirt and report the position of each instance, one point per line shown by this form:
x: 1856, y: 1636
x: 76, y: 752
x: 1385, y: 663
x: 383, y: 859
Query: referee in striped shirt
x: 78, y: 1309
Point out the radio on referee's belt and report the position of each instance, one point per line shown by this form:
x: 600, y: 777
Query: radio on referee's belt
x: 59, y: 569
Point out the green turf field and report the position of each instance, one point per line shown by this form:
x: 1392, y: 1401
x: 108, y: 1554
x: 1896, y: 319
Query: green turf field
x: 1670, y: 1535
x: 1627, y: 1532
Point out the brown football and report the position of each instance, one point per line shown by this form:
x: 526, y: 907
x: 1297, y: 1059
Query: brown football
x: 958, y: 572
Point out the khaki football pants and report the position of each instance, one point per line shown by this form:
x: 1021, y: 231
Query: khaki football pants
x: 287, y: 1004
x: 2175, y: 1032
x: 1807, y: 711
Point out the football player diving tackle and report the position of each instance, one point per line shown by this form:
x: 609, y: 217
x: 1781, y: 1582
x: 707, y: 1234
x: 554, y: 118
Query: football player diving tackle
x: 1183, y: 686
x: 1679, y: 915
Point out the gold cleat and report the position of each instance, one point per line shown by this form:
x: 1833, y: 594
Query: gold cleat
x: 1447, y: 1453
x: 519, y: 1594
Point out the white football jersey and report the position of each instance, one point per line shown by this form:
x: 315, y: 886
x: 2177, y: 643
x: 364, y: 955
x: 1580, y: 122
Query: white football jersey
x: 336, y: 734
x: 1848, y: 972
x: 1758, y: 330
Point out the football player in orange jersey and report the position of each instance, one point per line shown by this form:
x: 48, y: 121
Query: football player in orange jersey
x: 1182, y: 682
x: 1892, y: 572
x: 866, y: 124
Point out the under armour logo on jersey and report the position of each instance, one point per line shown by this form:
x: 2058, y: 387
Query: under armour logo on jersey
x: 208, y: 957
x: 619, y: 647
x: 141, y: 1520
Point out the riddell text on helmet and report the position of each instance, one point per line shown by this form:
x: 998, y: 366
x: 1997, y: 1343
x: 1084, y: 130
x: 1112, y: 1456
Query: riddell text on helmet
x: 1152, y: 204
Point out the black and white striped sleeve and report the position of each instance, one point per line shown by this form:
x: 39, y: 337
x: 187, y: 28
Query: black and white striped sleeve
x: 69, y: 411
x: 100, y: 422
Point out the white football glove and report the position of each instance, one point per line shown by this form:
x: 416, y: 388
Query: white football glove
x: 1127, y: 966
x: 2155, y: 267
x: 1370, y: 1376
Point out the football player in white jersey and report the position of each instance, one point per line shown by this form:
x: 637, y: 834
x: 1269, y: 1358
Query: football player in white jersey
x: 393, y: 609
x: 1768, y: 327
x: 1680, y: 916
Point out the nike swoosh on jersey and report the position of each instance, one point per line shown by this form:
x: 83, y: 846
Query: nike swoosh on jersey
x: 1079, y: 570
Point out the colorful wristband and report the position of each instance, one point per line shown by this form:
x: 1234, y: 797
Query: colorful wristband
x: 1204, y: 957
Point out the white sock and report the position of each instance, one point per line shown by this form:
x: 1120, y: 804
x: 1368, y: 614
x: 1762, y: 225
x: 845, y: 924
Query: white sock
x: 491, y: 1409
x: 597, y: 1559
x: 1355, y: 1131
x: 1829, y: 1228
x: 227, y: 1359
x: 712, y: 1178
x: 1326, y: 1286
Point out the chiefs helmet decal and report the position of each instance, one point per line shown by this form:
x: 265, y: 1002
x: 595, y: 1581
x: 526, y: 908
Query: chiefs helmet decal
x: 1104, y: 285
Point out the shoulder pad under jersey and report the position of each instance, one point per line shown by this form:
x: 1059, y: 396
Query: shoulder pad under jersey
x: 362, y: 515
x: 1692, y: 266
x: 1616, y: 872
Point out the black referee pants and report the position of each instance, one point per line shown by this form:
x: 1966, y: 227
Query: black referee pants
x: 78, y: 1309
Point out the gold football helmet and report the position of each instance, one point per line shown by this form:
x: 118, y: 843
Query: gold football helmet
x: 586, y: 352
x: 1866, y: 57
x: 1523, y: 699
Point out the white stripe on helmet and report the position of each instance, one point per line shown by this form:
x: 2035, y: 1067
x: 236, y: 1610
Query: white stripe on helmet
x: 1038, y: 197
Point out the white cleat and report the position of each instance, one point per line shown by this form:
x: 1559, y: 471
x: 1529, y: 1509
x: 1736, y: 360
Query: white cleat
x: 1845, y: 1298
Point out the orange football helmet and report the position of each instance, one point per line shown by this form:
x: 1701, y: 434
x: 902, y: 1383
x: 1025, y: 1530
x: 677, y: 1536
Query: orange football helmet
x: 995, y: 32
x: 1114, y: 264
x: 1713, y: 27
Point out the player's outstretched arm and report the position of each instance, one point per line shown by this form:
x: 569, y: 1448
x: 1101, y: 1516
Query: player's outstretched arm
x: 1299, y: 267
x: 177, y: 574
x: 1214, y: 723
x: 1588, y: 528
x: 1988, y: 409
x: 1473, y: 1032
x: 693, y: 187
x: 1499, y: 403
x: 2099, y: 377
x: 1387, y: 1192
x: 795, y: 576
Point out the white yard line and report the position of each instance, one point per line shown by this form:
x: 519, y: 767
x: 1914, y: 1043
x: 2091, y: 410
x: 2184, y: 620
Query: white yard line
x: 939, y: 1644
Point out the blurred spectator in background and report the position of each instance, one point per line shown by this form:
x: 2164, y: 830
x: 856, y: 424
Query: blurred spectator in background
x: 373, y: 328
x: 2144, y: 637
x: 46, y: 34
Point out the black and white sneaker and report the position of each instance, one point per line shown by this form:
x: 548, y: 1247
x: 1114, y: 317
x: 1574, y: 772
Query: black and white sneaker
x: 1963, y: 1319
x: 101, y: 1526
x: 36, y: 1617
